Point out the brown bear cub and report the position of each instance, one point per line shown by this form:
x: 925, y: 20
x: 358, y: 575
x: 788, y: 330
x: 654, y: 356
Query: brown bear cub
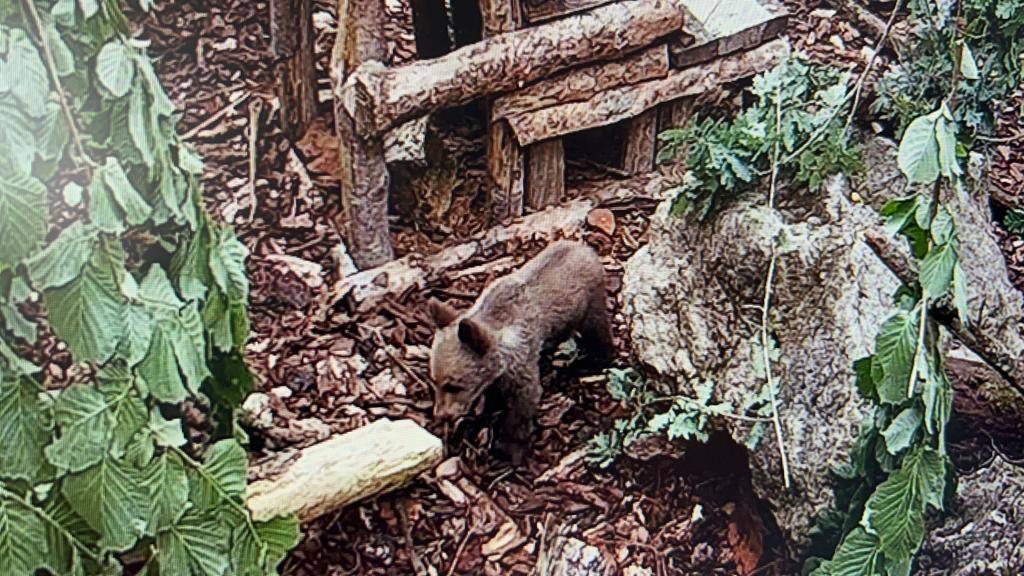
x: 499, y: 339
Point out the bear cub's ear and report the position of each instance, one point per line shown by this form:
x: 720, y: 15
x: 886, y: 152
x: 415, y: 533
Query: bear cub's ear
x: 475, y: 336
x: 440, y: 313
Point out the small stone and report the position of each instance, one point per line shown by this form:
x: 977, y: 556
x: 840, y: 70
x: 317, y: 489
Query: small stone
x: 449, y: 468
x: 602, y: 219
x: 281, y: 392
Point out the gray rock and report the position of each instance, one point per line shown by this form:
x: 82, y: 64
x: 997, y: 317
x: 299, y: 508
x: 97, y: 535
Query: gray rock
x: 568, y: 556
x: 693, y: 296
x: 985, y: 534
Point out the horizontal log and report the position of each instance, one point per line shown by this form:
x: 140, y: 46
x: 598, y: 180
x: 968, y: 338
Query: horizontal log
x: 346, y: 468
x: 381, y: 98
x: 987, y: 346
x: 585, y: 82
x: 369, y: 286
x: 628, y: 101
x: 713, y: 29
x: 536, y: 11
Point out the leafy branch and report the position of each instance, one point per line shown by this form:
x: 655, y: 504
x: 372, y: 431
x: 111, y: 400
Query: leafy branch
x: 144, y: 287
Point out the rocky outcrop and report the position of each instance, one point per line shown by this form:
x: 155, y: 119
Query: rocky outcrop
x: 985, y: 533
x: 693, y: 295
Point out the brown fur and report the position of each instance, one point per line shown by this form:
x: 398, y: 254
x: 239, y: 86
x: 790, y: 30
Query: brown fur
x: 499, y: 339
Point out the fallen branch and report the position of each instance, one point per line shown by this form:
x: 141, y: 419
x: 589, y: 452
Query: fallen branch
x: 415, y: 270
x: 986, y: 346
x: 365, y: 462
x: 381, y: 98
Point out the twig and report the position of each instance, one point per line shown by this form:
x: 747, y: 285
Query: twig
x: 51, y: 69
x: 417, y: 563
x: 254, y: 120
x: 858, y: 86
x: 227, y: 109
x: 920, y: 344
x: 765, y: 356
x: 458, y: 551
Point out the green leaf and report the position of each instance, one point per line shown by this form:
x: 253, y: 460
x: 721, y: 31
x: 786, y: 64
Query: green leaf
x: 159, y: 369
x: 895, y: 512
x: 22, y: 537
x: 88, y: 313
x: 26, y: 65
x: 937, y: 270
x: 166, y: 432
x: 23, y: 215
x: 901, y: 430
x: 115, y: 68
x: 63, y: 58
x: 85, y: 423
x: 63, y: 556
x: 222, y: 475
x: 25, y: 424
x: 858, y: 555
x: 112, y: 498
x: 918, y: 155
x: 128, y: 411
x: 62, y: 261
x: 135, y: 208
x: 196, y: 545
x: 260, y: 554
x: 168, y: 491
x: 227, y: 263
x: 895, y: 348
x: 17, y: 134
x: 960, y: 294
x: 157, y: 293
x: 139, y: 123
x: 52, y: 133
x: 968, y: 66
x: 89, y: 7
x: 138, y: 333
x: 945, y: 136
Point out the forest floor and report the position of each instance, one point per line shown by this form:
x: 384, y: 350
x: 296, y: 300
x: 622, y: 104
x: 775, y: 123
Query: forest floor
x: 324, y: 375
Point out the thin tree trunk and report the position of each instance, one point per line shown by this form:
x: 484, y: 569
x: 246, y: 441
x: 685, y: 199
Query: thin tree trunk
x: 363, y: 221
x: 291, y: 42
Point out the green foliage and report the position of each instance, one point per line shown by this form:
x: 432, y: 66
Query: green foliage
x: 675, y: 417
x: 989, y: 47
x: 727, y: 157
x: 101, y: 468
x: 899, y: 465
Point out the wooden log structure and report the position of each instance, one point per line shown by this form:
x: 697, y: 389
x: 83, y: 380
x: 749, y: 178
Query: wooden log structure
x: 363, y: 220
x: 291, y: 42
x: 506, y: 161
x: 346, y: 468
x: 367, y: 287
x: 382, y: 98
x: 625, y: 102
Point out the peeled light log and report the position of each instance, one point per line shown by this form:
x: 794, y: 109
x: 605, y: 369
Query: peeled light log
x: 629, y: 101
x: 385, y: 98
x: 415, y: 270
x: 365, y: 462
